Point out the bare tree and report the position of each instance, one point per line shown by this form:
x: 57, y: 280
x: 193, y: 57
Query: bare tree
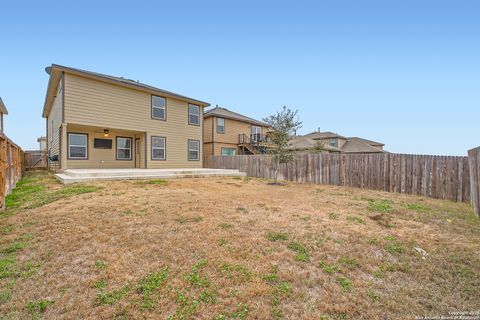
x: 284, y: 124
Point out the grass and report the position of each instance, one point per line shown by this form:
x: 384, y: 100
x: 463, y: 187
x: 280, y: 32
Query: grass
x: 195, y: 277
x: 328, y: 268
x: 8, y: 266
x: 39, y: 306
x: 113, y: 296
x: 39, y: 189
x: 345, y: 283
x: 295, y: 255
x: 14, y: 247
x: 393, y: 246
x: 236, y: 271
x: 355, y: 219
x: 277, y: 236
x: 385, y: 206
x: 100, y: 264
x: 271, y: 277
x: 149, y: 285
x: 417, y: 207
x: 160, y: 182
x: 332, y: 216
x: 301, y: 251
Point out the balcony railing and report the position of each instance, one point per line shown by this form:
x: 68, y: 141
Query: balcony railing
x: 254, y: 138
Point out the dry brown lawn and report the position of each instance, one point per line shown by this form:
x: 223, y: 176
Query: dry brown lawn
x: 224, y: 248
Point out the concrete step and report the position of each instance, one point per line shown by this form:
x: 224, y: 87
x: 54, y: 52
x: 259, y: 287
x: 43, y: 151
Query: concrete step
x: 125, y: 174
x: 139, y: 172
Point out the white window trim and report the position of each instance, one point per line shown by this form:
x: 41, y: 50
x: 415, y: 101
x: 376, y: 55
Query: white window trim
x: 158, y: 107
x: 195, y: 114
x: 77, y: 145
x: 196, y: 150
x: 122, y: 148
x: 160, y: 148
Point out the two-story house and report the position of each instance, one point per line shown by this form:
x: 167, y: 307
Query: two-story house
x: 229, y: 133
x: 100, y: 121
x: 334, y: 142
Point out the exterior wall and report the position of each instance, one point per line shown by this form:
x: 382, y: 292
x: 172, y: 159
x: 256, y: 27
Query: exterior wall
x: 104, y: 158
x: 54, y: 122
x: 341, y: 142
x: 109, y: 106
x: 219, y: 146
x: 208, y: 128
x: 233, y: 128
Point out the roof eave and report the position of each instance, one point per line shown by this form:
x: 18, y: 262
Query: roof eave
x: 129, y: 85
x: 259, y: 123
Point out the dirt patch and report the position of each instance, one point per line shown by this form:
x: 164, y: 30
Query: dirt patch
x: 225, y: 248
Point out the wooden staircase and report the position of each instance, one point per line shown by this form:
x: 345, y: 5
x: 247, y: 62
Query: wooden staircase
x: 254, y: 144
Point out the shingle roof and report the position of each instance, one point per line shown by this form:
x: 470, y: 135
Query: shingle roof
x: 370, y: 142
x: 3, y: 109
x: 225, y: 113
x: 305, y: 143
x: 358, y: 145
x: 324, y: 135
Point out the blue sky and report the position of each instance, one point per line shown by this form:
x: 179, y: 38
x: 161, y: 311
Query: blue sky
x: 406, y: 73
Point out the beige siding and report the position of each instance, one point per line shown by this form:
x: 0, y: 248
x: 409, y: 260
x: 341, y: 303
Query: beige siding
x: 54, y: 122
x: 207, y: 129
x: 99, y: 104
x: 233, y: 128
x: 219, y: 146
x: 104, y: 158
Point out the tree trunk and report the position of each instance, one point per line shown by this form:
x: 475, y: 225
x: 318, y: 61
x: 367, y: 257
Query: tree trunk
x: 276, y: 168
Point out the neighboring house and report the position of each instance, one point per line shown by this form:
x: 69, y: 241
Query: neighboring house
x: 333, y: 142
x: 359, y: 145
x: 42, y: 143
x: 304, y: 144
x: 3, y: 111
x: 100, y: 121
x: 328, y: 138
x: 229, y: 133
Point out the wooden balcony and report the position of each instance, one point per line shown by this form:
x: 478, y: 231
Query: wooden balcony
x: 254, y: 139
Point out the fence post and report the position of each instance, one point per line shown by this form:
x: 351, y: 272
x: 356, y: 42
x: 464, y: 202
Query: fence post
x: 474, y: 164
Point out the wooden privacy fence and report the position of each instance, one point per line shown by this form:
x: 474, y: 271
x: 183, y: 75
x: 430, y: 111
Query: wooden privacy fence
x: 474, y: 162
x: 35, y: 159
x: 440, y: 177
x: 11, y: 166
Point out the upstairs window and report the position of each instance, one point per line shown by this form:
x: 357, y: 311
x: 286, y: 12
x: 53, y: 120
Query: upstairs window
x: 220, y: 125
x: 124, y: 148
x: 333, y: 142
x: 159, y: 110
x: 77, y: 146
x: 193, y: 114
x: 193, y: 150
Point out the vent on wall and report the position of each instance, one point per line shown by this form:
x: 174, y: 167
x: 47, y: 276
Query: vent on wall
x: 102, y: 143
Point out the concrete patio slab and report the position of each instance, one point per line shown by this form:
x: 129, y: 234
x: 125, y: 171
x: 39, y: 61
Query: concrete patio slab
x: 85, y: 175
